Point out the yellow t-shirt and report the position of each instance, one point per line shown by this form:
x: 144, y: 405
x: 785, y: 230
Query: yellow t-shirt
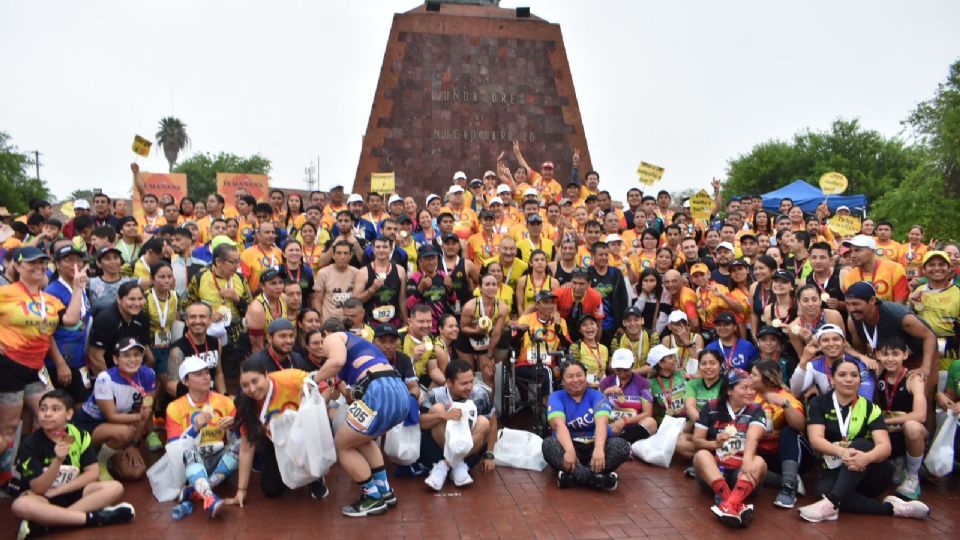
x: 151, y: 303
x: 551, y: 338
x: 419, y: 363
x: 254, y: 260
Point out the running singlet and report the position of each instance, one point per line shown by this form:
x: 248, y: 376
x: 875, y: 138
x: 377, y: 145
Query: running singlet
x: 888, y: 278
x: 384, y: 305
x: 269, y: 315
x: 894, y: 397
x: 639, y: 348
x: 254, y: 260
x: 595, y: 359
x: 562, y: 275
x: 531, y: 289
x: 461, y: 285
x: 357, y: 347
x: 26, y: 323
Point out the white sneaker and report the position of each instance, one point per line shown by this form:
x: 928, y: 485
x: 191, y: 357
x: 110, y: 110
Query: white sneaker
x: 461, y: 475
x: 801, y: 489
x: 909, y: 488
x: 438, y: 475
x: 821, y: 510
x: 908, y: 509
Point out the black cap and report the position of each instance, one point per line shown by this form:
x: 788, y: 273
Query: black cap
x: 66, y: 251
x: 428, y: 251
x: 590, y: 197
x: 725, y: 317
x: 475, y: 182
x: 768, y: 330
x: 586, y: 317
x: 404, y: 218
x: 29, y: 254
x: 633, y: 310
x: 783, y: 275
x: 861, y: 290
x: 127, y: 343
x: 534, y: 218
x: 740, y: 262
x: 545, y: 295
x: 487, y: 214
x: 386, y: 330
x: 450, y: 236
x: 279, y: 325
x: 269, y: 274
x: 748, y: 235
x: 108, y: 249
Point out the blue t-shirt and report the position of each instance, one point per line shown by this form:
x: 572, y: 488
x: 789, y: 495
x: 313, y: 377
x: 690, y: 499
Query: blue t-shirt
x: 203, y: 253
x: 743, y: 355
x: 71, y: 341
x: 579, y: 417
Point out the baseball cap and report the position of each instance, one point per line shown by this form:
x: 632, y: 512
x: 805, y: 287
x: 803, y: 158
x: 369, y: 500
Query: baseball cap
x: 586, y: 317
x: 476, y: 182
x: 491, y: 173
x: 530, y: 192
x: 81, y: 204
x: 336, y: 187
x: 739, y: 262
x: 843, y: 207
x: 749, y: 235
x: 428, y: 251
x: 622, y: 359
x: 547, y: 165
x: 564, y: 201
x: 66, y: 251
x: 931, y: 254
x: 396, y: 198
x: 768, y: 330
x: 29, y: 254
x: 450, y: 237
x: 354, y: 197
x: 861, y: 240
x: 494, y: 200
x: 699, y: 268
x: 404, y: 218
x: 191, y: 364
x: 725, y: 245
x: 725, y: 317
x: 279, y: 325
x: 631, y: 311
x: 385, y: 330
x: 431, y: 197
x: 545, y: 295
x: 455, y: 189
x: 658, y: 353
x: 783, y: 275
x: 108, y: 249
x: 459, y: 175
x: 829, y: 329
x: 861, y: 290
x: 502, y: 188
x: 613, y: 238
x: 269, y: 274
x: 127, y: 343
x: 686, y: 204
x: 676, y: 316
x: 534, y: 218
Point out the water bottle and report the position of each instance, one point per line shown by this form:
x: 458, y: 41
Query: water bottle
x: 181, y: 510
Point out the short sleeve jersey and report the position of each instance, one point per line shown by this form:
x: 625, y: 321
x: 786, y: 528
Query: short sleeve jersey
x: 734, y: 423
x: 580, y: 417
x: 481, y: 396
x: 26, y: 323
x: 668, y: 395
x: 181, y: 412
x: 126, y: 393
x: 37, y: 453
x: 867, y: 417
x: 698, y: 390
x: 775, y: 418
x: 635, y: 393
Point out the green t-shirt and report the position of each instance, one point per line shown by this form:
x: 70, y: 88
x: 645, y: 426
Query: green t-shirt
x: 953, y: 377
x: 698, y: 390
x: 668, y: 396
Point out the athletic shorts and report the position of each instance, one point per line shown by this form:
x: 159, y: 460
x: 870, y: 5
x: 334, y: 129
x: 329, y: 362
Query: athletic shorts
x: 160, y: 358
x: 85, y: 422
x: 386, y: 403
x: 67, y: 499
x: 18, y: 378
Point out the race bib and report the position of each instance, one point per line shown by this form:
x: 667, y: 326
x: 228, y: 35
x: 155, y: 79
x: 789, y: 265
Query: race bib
x: 592, y: 378
x: 621, y: 414
x: 834, y: 462
x: 44, y: 376
x: 359, y: 416
x: 532, y: 357
x: 731, y: 447
x: 384, y: 313
x: 162, y: 339
x: 65, y: 475
x: 480, y: 343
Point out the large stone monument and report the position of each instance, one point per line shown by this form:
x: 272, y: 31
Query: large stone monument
x: 460, y: 81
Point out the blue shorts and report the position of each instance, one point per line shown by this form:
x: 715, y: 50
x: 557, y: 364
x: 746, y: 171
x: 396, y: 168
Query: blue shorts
x: 161, y: 358
x: 386, y: 403
x: 85, y: 422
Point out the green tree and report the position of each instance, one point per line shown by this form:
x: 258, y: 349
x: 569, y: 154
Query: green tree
x: 913, y: 203
x: 936, y: 122
x: 17, y: 186
x: 201, y: 170
x: 81, y: 194
x: 873, y: 163
x: 172, y: 138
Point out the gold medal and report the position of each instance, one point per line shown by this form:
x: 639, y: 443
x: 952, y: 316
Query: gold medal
x: 824, y: 296
x: 382, y: 275
x: 730, y: 430
x: 427, y: 345
x: 777, y: 323
x: 148, y: 401
x: 484, y: 323
x: 795, y: 329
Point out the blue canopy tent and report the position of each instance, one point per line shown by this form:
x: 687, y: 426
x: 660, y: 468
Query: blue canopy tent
x: 809, y: 197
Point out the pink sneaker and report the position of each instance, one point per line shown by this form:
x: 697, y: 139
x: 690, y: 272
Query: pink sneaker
x: 822, y: 510
x: 908, y: 509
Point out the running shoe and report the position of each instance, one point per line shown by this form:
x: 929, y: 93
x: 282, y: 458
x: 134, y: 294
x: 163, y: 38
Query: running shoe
x: 212, y: 504
x: 728, y: 514
x: 365, y: 506
x: 899, y: 469
x: 565, y: 480
x: 461, y: 475
x: 187, y: 493
x: 787, y: 498
x: 319, y: 490
x: 909, y: 488
x: 438, y: 475
x: 113, y: 515
x: 907, y: 509
x: 822, y: 510
x: 690, y: 472
x: 610, y: 481
x: 154, y: 444
x: 389, y: 498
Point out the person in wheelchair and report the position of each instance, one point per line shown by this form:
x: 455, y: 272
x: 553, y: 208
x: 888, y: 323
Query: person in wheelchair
x: 542, y: 332
x: 582, y: 448
x: 589, y: 351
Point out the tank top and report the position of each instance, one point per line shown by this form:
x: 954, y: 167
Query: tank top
x: 894, y: 396
x: 357, y: 347
x: 562, y: 275
x: 761, y: 297
x: 461, y: 285
x: 268, y: 311
x: 531, y: 289
x: 384, y: 305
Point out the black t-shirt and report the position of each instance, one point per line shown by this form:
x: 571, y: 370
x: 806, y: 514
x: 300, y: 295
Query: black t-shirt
x: 867, y: 418
x: 109, y: 327
x: 891, y: 324
x: 294, y: 361
x: 402, y: 363
x: 209, y: 352
x: 37, y: 452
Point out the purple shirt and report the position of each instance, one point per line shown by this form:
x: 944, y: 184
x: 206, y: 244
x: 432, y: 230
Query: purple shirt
x: 634, y: 393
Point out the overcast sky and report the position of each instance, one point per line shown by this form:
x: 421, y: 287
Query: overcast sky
x: 684, y: 85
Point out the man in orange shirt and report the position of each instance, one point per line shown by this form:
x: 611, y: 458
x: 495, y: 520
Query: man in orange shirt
x: 260, y: 256
x: 887, y: 277
x: 684, y: 299
x: 465, y: 219
x: 483, y: 245
x: 887, y: 247
x: 152, y: 218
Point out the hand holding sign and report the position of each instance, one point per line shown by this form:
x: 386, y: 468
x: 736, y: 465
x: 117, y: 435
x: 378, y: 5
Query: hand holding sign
x: 701, y: 205
x: 833, y: 183
x: 649, y: 174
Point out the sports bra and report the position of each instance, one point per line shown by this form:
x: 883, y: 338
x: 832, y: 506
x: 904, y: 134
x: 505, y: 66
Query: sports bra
x: 356, y: 348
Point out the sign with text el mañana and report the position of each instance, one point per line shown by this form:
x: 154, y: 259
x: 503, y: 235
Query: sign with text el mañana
x: 383, y: 182
x: 141, y: 146
x: 844, y: 225
x: 701, y: 205
x: 833, y: 183
x: 228, y: 184
x: 160, y: 184
x: 649, y: 174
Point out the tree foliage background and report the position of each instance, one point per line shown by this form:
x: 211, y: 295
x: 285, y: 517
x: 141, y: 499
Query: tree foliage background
x: 17, y: 186
x: 906, y: 181
x: 201, y: 170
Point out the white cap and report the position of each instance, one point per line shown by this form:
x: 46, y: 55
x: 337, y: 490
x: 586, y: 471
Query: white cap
x: 622, y: 359
x: 394, y: 198
x: 191, y: 364
x: 81, y: 203
x: 455, y: 189
x: 861, y: 240
x: 354, y: 197
x: 727, y: 245
x: 843, y: 207
x: 489, y: 173
x: 829, y: 329
x: 658, y: 353
x: 495, y: 200
x: 676, y: 316
x: 530, y: 192
x: 686, y: 203
x: 431, y: 197
x: 503, y: 188
x: 459, y: 175
x: 613, y: 238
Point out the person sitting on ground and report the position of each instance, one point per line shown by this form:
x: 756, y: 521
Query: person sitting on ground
x: 460, y: 386
x: 813, y: 373
x: 589, y: 351
x: 630, y: 399
x: 58, y: 466
x: 705, y: 386
x: 120, y: 411
x: 726, y: 435
x: 902, y: 398
x: 849, y: 433
x: 204, y: 418
x: 582, y: 449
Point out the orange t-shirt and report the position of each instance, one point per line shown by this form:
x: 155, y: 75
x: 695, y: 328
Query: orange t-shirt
x: 483, y: 248
x: 465, y: 222
x: 888, y: 278
x: 283, y: 394
x: 150, y: 226
x: 254, y: 260
x: 26, y: 323
x: 686, y: 301
x: 180, y: 414
x: 890, y: 250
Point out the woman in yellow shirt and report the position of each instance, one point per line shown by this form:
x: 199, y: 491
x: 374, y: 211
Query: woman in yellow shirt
x: 538, y: 279
x: 590, y: 351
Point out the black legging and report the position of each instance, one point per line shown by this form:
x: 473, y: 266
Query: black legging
x: 854, y: 491
x: 270, y: 480
x: 792, y: 447
x: 616, y: 451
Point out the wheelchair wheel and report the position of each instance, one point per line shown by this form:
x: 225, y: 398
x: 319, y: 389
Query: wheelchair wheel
x: 502, y: 395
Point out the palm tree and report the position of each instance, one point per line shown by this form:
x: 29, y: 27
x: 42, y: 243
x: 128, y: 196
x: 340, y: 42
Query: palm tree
x: 172, y: 137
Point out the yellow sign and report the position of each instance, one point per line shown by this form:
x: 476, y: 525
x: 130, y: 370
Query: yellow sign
x: 833, y: 183
x: 701, y: 205
x: 383, y: 182
x: 844, y: 225
x: 141, y: 146
x: 649, y: 174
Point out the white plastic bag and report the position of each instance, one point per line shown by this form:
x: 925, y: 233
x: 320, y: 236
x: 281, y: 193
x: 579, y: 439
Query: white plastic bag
x: 519, y: 449
x: 940, y: 458
x: 290, y: 450
x: 168, y: 475
x: 457, y: 436
x: 402, y: 444
x: 340, y: 413
x: 658, y: 449
x: 313, y: 426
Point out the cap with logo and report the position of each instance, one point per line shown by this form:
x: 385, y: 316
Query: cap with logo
x: 658, y: 353
x: 622, y: 359
x: 861, y: 241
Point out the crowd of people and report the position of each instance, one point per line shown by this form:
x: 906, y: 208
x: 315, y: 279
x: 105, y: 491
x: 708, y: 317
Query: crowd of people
x: 783, y: 346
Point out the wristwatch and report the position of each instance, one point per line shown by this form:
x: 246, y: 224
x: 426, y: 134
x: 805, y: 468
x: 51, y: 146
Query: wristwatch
x: 488, y: 455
